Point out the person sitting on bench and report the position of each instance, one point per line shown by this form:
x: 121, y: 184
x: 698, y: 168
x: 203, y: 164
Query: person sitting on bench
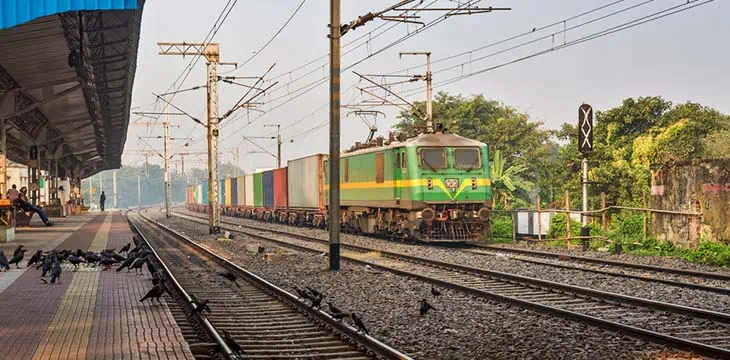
x: 26, y: 206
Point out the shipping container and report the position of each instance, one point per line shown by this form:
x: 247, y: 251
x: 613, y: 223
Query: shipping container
x: 199, y: 194
x: 204, y: 189
x: 190, y: 196
x: 305, y: 187
x: 249, y: 189
x: 258, y: 189
x: 280, y: 187
x: 233, y: 191
x: 268, y: 179
x: 226, y: 191
x: 241, y: 191
x: 222, y: 191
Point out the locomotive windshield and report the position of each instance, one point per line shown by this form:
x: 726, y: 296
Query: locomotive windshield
x: 468, y: 159
x: 433, y: 159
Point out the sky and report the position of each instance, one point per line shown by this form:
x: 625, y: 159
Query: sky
x: 681, y: 57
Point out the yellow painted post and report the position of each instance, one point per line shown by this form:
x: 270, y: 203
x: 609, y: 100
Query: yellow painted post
x: 568, y: 233
x: 539, y: 220
x: 604, y: 213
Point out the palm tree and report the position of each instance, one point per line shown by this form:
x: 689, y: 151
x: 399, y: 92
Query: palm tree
x: 505, y: 182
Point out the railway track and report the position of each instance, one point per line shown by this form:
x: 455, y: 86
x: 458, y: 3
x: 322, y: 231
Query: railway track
x: 701, y: 331
x: 268, y: 322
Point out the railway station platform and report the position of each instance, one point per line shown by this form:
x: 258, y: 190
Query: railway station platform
x: 91, y: 314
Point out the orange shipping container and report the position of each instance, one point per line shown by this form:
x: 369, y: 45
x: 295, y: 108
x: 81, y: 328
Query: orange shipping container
x: 280, y: 187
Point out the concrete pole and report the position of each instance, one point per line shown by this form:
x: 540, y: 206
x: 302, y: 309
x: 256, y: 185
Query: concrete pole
x: 166, y: 154
x: 114, y: 180
x: 139, y: 192
x: 429, y: 95
x: 214, y: 220
x: 334, y: 156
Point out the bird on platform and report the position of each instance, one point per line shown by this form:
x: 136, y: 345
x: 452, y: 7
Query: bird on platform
x: 137, y: 240
x: 47, y: 264
x: 156, y: 278
x: 56, y: 272
x: 75, y: 261
x: 35, y: 259
x: 137, y: 264
x: 17, y: 250
x: 4, y: 262
x: 92, y: 258
x: 79, y: 253
x: 118, y: 258
x: 18, y: 258
x: 126, y: 263
x: 435, y: 292
x: 200, y: 306
x: 125, y: 248
x: 151, y: 267
x: 230, y: 276
x: 232, y: 344
x: 359, y: 324
x: 107, y: 263
x: 425, y: 307
x: 155, y: 293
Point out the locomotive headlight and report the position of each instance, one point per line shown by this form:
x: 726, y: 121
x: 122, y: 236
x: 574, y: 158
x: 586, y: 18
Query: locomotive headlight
x: 429, y: 182
x: 473, y: 183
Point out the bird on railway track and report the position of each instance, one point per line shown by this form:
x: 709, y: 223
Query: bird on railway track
x: 336, y: 313
x: 35, y: 259
x: 155, y: 292
x: 232, y: 344
x: 302, y: 293
x: 200, y: 306
x: 359, y: 324
x: 230, y: 276
x: 314, y: 292
x: 17, y: 250
x: 425, y: 307
x: 125, y: 248
x: 18, y: 258
x: 435, y: 292
x: 317, y: 302
x: 4, y: 262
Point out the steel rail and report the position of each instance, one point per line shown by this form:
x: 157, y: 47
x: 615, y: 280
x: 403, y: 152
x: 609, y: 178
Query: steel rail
x: 676, y: 271
x: 536, y: 284
x: 373, y: 345
x: 209, y: 328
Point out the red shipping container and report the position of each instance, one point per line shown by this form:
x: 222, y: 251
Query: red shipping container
x: 280, y: 188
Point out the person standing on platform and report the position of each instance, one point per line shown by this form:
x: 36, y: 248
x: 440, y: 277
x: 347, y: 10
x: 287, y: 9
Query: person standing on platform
x: 102, y: 198
x: 62, y: 197
x: 26, y: 206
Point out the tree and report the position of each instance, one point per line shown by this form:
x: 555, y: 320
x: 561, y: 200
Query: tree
x: 506, y: 182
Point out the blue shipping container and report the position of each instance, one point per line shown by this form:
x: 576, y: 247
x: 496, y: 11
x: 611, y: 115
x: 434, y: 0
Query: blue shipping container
x: 205, y: 193
x: 222, y: 193
x: 268, y: 178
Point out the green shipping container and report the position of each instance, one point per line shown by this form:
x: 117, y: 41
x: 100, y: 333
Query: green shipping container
x: 258, y: 190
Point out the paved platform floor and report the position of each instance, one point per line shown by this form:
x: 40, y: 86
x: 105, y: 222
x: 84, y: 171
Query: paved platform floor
x: 91, y: 314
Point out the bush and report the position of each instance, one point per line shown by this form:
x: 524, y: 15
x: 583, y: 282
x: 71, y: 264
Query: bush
x: 502, y: 227
x: 558, y: 226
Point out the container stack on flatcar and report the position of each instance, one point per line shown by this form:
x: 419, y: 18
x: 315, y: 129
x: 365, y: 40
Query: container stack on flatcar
x: 433, y: 187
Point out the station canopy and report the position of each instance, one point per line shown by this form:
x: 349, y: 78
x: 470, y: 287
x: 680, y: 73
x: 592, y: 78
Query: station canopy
x: 66, y: 74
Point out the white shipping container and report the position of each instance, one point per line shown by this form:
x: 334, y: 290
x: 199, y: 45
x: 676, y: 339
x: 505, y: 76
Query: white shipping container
x: 249, y: 190
x: 241, y: 190
x: 304, y: 185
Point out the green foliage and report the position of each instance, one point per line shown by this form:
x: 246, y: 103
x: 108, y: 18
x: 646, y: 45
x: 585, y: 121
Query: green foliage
x: 502, y: 227
x: 558, y: 226
x: 506, y: 181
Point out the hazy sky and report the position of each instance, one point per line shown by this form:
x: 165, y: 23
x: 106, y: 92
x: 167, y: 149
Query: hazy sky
x: 682, y: 57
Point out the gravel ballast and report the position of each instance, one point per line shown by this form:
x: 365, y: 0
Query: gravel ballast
x: 633, y: 287
x: 463, y: 327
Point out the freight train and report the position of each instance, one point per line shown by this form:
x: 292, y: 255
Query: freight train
x: 432, y: 188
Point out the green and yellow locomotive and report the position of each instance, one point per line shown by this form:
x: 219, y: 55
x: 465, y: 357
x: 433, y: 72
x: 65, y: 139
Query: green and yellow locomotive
x: 433, y: 187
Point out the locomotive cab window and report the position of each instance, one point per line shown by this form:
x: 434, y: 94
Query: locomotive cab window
x: 433, y: 158
x: 468, y: 158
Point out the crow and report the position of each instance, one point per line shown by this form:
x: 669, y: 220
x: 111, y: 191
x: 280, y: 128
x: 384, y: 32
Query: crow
x: 230, y: 276
x: 137, y: 240
x: 4, y: 261
x: 435, y: 291
x: 118, y: 258
x: 125, y: 248
x: 313, y: 291
x: 75, y: 261
x: 137, y: 264
x: 18, y: 250
x: 156, y: 277
x: 35, y: 259
x: 107, y: 263
x: 425, y: 307
x: 200, y: 306
x: 18, y: 258
x: 340, y: 316
x: 155, y: 293
x: 317, y: 302
x: 233, y: 345
x: 151, y: 267
x: 333, y: 308
x: 79, y: 253
x: 92, y: 258
x: 359, y: 324
x: 303, y: 294
x: 56, y: 272
x: 47, y: 264
x: 127, y: 263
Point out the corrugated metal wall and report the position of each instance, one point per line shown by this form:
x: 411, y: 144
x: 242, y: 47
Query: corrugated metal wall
x: 15, y: 12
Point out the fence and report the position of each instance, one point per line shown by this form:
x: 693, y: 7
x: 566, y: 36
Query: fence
x: 603, y: 217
